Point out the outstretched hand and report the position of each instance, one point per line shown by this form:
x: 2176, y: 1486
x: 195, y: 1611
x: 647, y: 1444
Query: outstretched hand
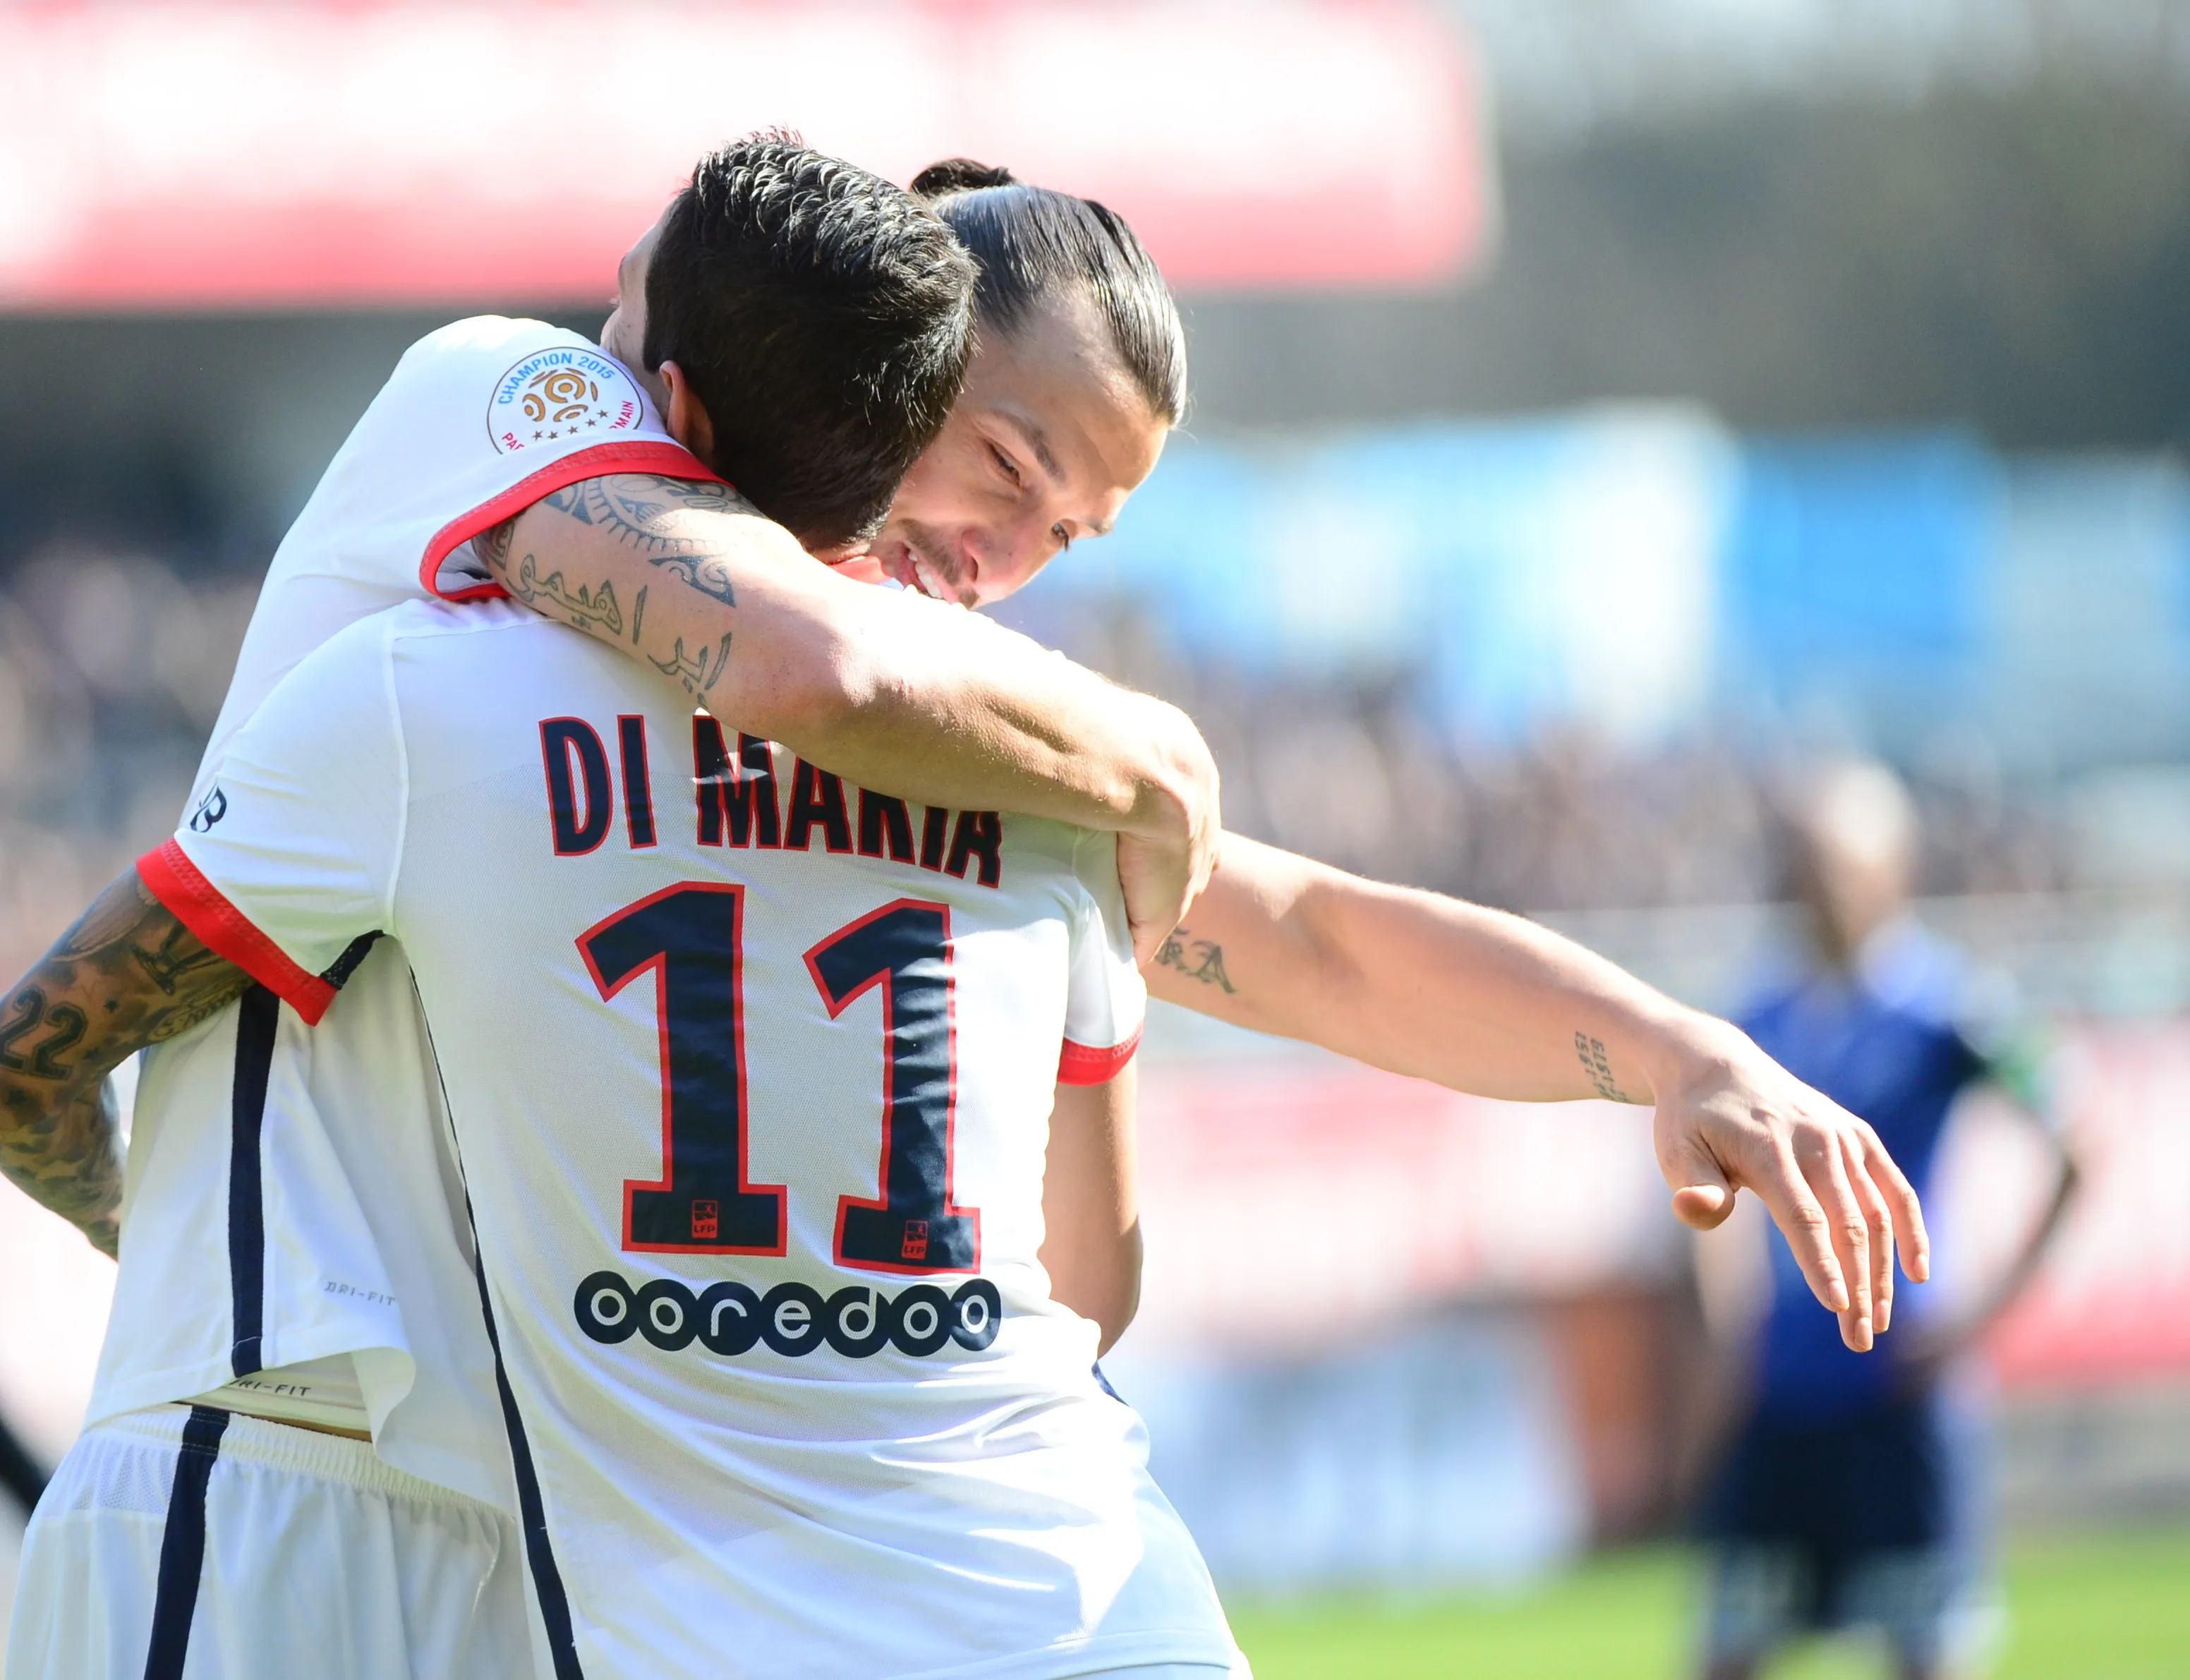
x: 1733, y: 1118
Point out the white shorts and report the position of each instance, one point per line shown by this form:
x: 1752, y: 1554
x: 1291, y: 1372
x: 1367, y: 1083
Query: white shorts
x: 186, y: 1544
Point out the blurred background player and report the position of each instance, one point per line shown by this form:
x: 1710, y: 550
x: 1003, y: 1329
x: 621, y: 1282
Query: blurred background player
x: 1851, y: 1496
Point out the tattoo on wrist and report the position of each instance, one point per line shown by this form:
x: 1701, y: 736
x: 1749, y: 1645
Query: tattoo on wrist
x: 1199, y: 960
x: 1598, y: 1066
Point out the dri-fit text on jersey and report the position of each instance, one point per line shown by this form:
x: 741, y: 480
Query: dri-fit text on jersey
x: 740, y: 801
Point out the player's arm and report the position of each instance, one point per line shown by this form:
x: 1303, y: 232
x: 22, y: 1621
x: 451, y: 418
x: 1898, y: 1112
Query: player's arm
x: 901, y: 693
x: 1091, y: 1214
x: 1486, y: 1002
x: 282, y: 882
x: 127, y: 975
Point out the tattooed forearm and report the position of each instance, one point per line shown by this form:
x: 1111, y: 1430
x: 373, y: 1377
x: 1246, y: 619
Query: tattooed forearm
x: 695, y: 671
x: 1199, y: 960
x: 581, y: 608
x: 535, y: 555
x: 492, y: 545
x: 127, y: 974
x: 1598, y: 1066
x: 645, y: 512
x: 707, y: 573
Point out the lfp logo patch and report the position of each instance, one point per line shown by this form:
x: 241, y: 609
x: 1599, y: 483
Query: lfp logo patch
x: 565, y: 393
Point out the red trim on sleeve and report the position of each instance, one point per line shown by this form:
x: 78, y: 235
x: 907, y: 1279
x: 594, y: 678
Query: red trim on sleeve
x: 633, y: 455
x: 170, y: 877
x: 1079, y: 1064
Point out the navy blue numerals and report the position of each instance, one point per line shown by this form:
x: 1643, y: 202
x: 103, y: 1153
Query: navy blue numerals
x: 687, y: 938
x: 905, y: 948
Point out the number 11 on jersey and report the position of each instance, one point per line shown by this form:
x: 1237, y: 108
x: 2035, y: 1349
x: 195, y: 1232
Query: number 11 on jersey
x: 689, y: 937
x: 904, y: 948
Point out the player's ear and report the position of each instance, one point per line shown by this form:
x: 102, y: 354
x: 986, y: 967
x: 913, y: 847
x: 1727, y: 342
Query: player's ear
x: 687, y: 416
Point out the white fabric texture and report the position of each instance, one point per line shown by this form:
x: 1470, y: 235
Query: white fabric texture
x: 365, y: 1245
x: 991, y: 1504
x: 319, y: 1560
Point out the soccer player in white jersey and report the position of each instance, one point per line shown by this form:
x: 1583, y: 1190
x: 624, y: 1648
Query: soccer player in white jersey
x: 751, y: 1118
x: 297, y: 1250
x: 1079, y: 375
x: 1487, y: 1003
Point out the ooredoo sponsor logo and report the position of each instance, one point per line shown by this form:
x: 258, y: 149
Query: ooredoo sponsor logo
x: 792, y: 1319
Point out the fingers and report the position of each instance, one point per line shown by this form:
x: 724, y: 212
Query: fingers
x: 1902, y: 1205
x: 1148, y: 941
x: 1802, y: 1222
x: 1703, y: 1195
x: 1878, y: 1225
x: 1850, y: 1232
x: 1703, y: 1207
x: 1153, y: 879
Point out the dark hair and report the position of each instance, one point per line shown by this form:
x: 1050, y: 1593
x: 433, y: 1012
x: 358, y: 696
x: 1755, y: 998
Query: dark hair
x: 1033, y: 243
x: 824, y: 318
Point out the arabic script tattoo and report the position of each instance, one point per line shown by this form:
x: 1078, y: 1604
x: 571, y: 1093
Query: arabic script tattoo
x: 673, y: 524
x: 583, y: 608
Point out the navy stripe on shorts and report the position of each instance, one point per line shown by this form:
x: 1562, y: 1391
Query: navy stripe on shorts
x: 182, y: 1544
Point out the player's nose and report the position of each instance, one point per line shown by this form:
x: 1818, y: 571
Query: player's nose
x: 1016, y: 552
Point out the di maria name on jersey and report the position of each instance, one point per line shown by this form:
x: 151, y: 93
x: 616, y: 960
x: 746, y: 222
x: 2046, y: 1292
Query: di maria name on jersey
x: 749, y: 1073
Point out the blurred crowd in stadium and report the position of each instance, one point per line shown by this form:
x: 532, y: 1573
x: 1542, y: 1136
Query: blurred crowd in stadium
x: 112, y: 665
x: 1562, y: 820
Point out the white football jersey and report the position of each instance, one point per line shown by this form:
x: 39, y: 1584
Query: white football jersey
x: 292, y: 1229
x: 749, y: 1073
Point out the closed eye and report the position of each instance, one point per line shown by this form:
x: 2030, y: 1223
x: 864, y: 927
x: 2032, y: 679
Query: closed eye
x: 1008, y: 466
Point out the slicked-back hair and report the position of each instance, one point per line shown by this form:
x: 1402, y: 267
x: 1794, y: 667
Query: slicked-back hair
x: 1035, y: 246
x: 823, y: 317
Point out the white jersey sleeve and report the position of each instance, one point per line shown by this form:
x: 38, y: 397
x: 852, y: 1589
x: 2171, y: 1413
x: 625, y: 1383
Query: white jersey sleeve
x: 480, y: 420
x: 1106, y: 1001
x: 288, y: 866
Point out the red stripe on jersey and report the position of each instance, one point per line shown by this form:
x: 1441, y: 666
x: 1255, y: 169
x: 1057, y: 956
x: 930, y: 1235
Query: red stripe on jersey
x: 633, y: 455
x: 1080, y: 1064
x: 170, y: 877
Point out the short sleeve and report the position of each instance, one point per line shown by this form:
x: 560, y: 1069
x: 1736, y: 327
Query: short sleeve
x: 480, y: 420
x: 492, y: 415
x: 286, y: 866
x: 1106, y: 1001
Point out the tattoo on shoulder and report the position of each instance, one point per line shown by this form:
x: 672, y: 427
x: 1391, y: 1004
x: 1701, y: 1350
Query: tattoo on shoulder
x: 1199, y: 960
x: 1598, y: 1066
